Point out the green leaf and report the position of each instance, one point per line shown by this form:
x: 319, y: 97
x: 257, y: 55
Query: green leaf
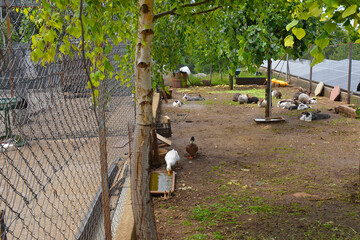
x: 62, y: 49
x: 108, y: 66
x: 331, y: 3
x: 322, y: 41
x: 349, y: 11
x: 289, y: 41
x: 299, y: 33
x: 315, y: 10
x: 315, y: 50
x: 357, y: 41
x: 330, y: 27
x: 292, y: 24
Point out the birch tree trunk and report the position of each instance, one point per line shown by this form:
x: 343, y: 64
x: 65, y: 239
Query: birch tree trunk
x: 141, y: 200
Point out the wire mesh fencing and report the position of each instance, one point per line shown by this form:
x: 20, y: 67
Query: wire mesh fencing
x: 50, y: 177
x: 341, y: 67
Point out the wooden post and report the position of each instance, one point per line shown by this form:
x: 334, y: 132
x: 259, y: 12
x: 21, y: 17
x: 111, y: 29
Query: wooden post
x: 220, y: 69
x: 349, y: 75
x: 268, y: 91
x: 231, y: 82
x: 154, y: 162
x: 2, y: 225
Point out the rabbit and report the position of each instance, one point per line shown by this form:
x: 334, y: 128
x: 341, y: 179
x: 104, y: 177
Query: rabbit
x: 312, y: 101
x: 302, y: 106
x: 308, y: 116
x: 242, y: 99
x: 304, y: 98
x: 252, y: 100
x: 262, y: 103
x: 177, y: 103
x: 193, y: 98
x: 276, y: 94
x: 236, y: 97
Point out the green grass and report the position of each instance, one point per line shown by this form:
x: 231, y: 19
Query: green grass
x: 216, y: 79
x: 197, y: 236
x: 257, y: 92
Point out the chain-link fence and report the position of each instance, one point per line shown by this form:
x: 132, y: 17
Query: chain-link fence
x: 50, y: 181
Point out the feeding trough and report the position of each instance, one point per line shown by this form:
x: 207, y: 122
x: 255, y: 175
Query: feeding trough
x: 161, y: 182
x: 269, y: 120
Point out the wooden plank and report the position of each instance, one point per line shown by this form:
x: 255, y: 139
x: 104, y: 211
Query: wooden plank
x: 163, y: 139
x: 164, y: 94
x: 348, y: 110
x: 335, y: 94
x: 166, y: 119
x: 156, y: 103
x: 319, y: 89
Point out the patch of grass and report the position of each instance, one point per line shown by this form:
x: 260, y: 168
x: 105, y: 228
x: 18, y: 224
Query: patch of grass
x: 283, y: 150
x: 197, y: 236
x: 208, y: 102
x: 187, y: 223
x: 229, y: 102
x: 216, y: 79
x: 218, y: 235
x: 351, y: 214
x: 267, y: 209
x: 257, y: 92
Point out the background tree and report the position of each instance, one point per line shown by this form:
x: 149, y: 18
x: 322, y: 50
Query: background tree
x: 334, y: 14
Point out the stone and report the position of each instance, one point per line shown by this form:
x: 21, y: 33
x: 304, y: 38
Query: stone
x: 335, y: 93
x: 319, y: 89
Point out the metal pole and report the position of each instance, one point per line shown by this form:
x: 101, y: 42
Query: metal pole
x: 311, y: 59
x: 8, y: 28
x: 2, y: 225
x: 103, y: 160
x: 349, y: 76
x: 287, y: 68
x: 268, y: 91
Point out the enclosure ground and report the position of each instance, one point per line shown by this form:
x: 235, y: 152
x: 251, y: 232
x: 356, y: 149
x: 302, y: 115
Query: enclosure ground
x: 293, y: 180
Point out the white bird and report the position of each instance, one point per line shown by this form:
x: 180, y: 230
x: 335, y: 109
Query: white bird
x: 185, y: 69
x: 177, y: 103
x: 171, y: 158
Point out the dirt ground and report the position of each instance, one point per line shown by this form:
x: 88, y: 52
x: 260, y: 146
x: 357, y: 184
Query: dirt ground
x: 292, y: 180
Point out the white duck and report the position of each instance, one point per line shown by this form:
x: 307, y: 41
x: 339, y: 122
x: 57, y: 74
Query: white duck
x: 171, y: 158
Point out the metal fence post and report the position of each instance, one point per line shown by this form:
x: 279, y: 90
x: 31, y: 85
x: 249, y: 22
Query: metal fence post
x: 349, y: 75
x: 287, y: 68
x: 311, y: 68
x: 268, y: 91
x: 2, y: 225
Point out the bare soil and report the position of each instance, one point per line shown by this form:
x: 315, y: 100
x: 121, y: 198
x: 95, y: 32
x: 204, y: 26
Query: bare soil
x: 292, y: 180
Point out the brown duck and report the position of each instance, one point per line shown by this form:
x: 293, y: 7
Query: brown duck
x: 192, y: 148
